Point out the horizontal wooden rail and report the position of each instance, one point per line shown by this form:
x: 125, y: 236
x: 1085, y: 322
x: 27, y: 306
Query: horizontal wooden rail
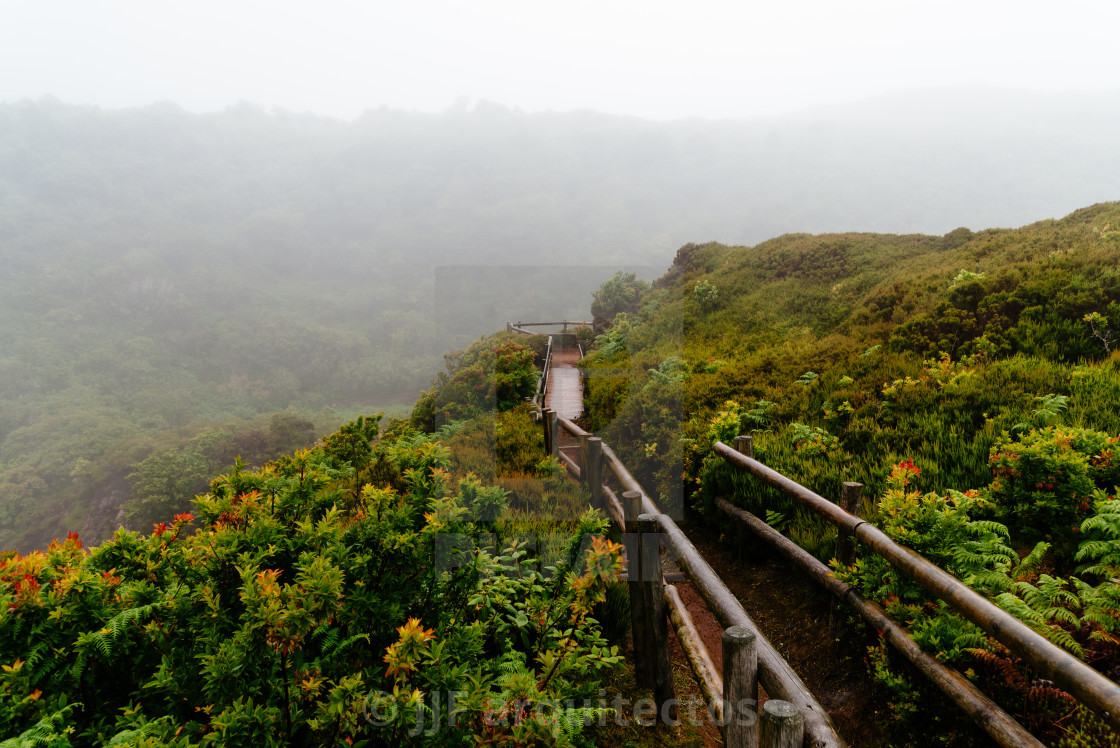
x: 569, y: 463
x: 1086, y: 684
x: 982, y: 710
x: 628, y: 482
x: 572, y: 428
x: 566, y: 322
x: 703, y: 669
x: 614, y: 506
x: 775, y: 674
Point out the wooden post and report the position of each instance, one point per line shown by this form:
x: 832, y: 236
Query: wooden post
x: 545, y: 421
x: 594, y: 468
x: 740, y: 688
x: 653, y: 596
x: 744, y: 444
x: 639, y: 620
x: 583, y: 477
x: 850, y: 499
x: 850, y: 496
x: 782, y: 725
x: 554, y: 434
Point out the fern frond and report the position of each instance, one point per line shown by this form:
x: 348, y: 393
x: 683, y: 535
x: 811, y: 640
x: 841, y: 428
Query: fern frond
x: 1045, y: 694
x: 46, y: 731
x: 1031, y: 562
x: 1007, y: 667
x: 1063, y: 639
x: 992, y: 527
x: 970, y: 641
x: 1062, y: 614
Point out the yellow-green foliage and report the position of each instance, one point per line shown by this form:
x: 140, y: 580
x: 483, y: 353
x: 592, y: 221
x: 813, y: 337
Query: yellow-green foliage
x: 893, y: 346
x: 323, y: 600
x: 850, y: 357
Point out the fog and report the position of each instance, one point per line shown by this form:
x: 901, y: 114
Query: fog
x: 210, y: 214
x: 653, y: 59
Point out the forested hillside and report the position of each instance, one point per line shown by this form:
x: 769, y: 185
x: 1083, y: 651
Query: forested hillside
x: 970, y: 381
x: 166, y: 274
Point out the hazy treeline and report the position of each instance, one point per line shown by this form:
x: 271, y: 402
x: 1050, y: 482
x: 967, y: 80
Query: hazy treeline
x: 164, y: 270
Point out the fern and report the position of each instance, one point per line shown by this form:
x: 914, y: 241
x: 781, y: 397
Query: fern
x: 758, y: 417
x: 129, y: 737
x: 49, y: 732
x: 104, y: 640
x: 1104, y: 549
x: 1099, y: 605
x: 1031, y: 562
x: 1002, y: 662
x: 1038, y: 606
x: 1050, y: 596
x: 570, y: 722
x: 777, y: 520
x: 983, y: 560
x: 1048, y: 413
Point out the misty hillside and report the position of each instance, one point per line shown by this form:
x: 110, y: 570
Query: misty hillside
x: 880, y: 347
x: 968, y: 382
x: 171, y: 276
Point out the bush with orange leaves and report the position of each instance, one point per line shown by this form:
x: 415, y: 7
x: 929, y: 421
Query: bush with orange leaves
x: 334, y: 597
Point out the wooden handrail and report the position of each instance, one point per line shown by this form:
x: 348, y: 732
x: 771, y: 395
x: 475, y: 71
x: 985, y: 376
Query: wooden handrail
x: 703, y: 669
x: 775, y: 674
x: 575, y: 323
x: 983, y: 711
x: 1086, y: 684
x: 573, y: 429
x: 542, y: 381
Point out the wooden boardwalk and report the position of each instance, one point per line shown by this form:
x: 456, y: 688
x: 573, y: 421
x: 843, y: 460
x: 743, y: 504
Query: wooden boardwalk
x: 565, y: 392
x: 565, y: 387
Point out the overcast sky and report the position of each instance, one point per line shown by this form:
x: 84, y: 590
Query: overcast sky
x: 651, y: 59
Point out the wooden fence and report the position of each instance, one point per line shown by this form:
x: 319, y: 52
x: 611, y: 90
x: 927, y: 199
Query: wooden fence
x: 542, y: 382
x: 792, y: 717
x: 645, y: 529
x: 520, y: 326
x: 748, y: 657
x: 1090, y: 687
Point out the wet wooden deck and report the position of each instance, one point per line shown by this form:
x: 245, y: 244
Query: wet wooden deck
x: 565, y: 394
x: 565, y: 388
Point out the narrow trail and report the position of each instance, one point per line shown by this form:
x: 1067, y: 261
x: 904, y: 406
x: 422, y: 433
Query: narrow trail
x: 565, y: 391
x: 786, y: 605
x: 565, y: 388
x: 793, y: 613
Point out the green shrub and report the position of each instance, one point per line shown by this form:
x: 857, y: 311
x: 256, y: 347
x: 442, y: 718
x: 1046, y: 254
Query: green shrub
x: 1045, y: 480
x: 274, y: 622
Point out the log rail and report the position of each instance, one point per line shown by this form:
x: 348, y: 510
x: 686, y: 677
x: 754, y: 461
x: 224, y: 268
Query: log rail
x: 1083, y: 682
x: 794, y: 710
x: 645, y: 529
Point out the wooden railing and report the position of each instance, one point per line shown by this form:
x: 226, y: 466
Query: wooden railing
x: 520, y: 326
x: 639, y: 517
x: 792, y: 716
x: 1086, y: 684
x: 542, y: 382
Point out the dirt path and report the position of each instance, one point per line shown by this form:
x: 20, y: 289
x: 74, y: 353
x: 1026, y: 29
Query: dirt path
x: 794, y: 615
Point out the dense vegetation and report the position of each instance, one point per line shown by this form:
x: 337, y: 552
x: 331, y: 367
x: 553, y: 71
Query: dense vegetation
x: 165, y: 273
x: 190, y: 296
x: 969, y: 381
x: 371, y: 590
